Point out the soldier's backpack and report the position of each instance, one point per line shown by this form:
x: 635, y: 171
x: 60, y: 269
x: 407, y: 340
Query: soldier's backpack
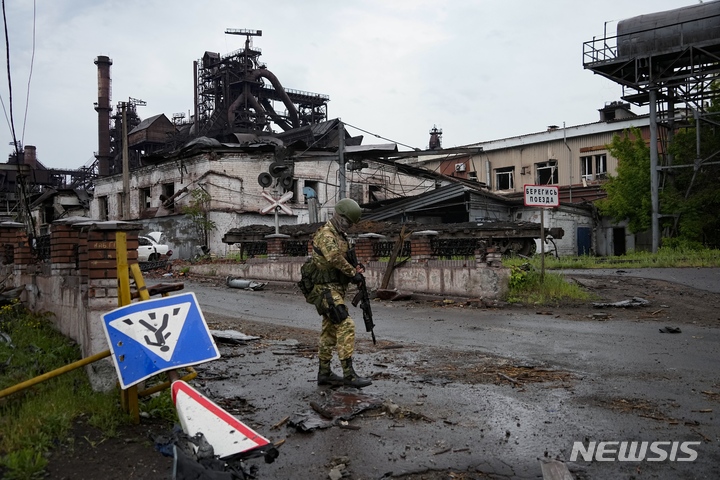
x: 308, y: 273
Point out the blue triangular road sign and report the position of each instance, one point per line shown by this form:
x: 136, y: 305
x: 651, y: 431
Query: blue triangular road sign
x: 154, y: 336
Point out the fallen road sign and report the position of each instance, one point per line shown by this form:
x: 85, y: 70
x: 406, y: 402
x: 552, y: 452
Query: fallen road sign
x: 155, y: 336
x: 198, y: 414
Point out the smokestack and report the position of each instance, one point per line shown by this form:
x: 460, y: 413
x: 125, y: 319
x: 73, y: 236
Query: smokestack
x: 30, y: 157
x: 103, y: 108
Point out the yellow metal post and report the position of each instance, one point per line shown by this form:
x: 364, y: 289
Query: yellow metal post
x: 122, y: 269
x: 129, y: 396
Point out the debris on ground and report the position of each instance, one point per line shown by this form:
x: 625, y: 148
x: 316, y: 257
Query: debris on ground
x: 245, y: 284
x: 342, y: 404
x: 392, y: 295
x: 232, y: 337
x: 633, y: 302
x: 670, y: 330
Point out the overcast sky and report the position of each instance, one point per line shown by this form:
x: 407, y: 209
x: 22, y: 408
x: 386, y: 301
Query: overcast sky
x: 478, y: 69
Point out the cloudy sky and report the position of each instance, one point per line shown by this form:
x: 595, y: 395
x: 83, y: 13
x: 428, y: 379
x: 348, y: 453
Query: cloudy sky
x: 478, y: 69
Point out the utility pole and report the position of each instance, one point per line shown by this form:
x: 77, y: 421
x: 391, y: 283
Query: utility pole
x: 341, y: 159
x: 125, y: 155
x: 125, y: 165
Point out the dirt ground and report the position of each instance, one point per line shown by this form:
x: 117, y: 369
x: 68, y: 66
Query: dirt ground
x: 131, y: 455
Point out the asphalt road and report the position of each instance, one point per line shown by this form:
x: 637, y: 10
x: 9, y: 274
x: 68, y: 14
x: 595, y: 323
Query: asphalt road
x: 631, y: 384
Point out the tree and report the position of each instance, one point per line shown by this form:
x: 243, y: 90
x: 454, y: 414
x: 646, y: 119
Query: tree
x: 198, y: 210
x: 629, y: 191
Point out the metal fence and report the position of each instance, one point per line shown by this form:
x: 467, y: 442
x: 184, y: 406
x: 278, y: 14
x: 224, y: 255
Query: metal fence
x: 295, y: 248
x: 385, y: 249
x: 453, y: 247
x: 41, y: 248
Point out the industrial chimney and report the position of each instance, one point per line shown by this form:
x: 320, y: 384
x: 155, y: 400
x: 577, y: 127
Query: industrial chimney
x: 435, y: 139
x: 30, y: 157
x: 103, y: 108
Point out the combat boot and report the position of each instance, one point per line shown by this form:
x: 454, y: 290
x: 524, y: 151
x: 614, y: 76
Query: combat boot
x: 326, y: 375
x: 351, y: 378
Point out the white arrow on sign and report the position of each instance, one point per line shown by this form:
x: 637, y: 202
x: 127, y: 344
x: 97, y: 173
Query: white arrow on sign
x: 279, y: 203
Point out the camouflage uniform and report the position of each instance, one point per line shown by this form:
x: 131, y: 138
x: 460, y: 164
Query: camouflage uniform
x: 334, y: 245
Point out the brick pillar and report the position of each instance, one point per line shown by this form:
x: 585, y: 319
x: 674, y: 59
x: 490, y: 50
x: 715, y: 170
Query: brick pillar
x: 98, y: 262
x: 420, y: 245
x: 274, y: 245
x: 101, y: 246
x: 15, y: 245
x: 64, y: 249
x: 364, y: 247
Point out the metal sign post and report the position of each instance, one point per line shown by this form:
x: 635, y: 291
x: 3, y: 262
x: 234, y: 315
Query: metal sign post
x: 543, y: 196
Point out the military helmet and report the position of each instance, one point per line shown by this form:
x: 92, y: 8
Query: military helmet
x: 349, y: 209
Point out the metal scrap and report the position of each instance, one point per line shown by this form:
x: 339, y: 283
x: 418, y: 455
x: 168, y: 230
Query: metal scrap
x: 232, y: 337
x: 245, y: 284
x: 633, y: 302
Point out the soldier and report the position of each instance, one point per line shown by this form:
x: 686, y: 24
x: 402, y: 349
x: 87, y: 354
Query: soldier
x: 334, y: 273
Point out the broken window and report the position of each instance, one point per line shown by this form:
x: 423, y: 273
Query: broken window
x: 505, y: 178
x: 310, y: 190
x: 168, y: 190
x: 546, y: 173
x: 120, y: 203
x: 600, y: 166
x: 144, y: 199
x: 103, y: 207
x: 586, y: 169
x: 376, y: 193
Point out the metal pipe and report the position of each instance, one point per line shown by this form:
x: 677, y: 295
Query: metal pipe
x: 654, y: 184
x: 54, y: 373
x: 341, y: 158
x: 173, y: 377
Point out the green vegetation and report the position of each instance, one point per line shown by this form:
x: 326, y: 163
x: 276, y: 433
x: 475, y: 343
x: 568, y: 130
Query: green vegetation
x: 666, y: 257
x: 688, y: 198
x: 33, y: 420
x: 527, y: 287
x: 199, y: 212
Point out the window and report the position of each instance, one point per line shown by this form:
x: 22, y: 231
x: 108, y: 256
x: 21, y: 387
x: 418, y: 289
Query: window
x: 144, y: 199
x: 168, y: 190
x: 586, y: 168
x: 546, y: 173
x: 600, y: 166
x: 504, y: 178
x: 120, y: 207
x: 596, y: 164
x: 103, y: 209
x: 310, y: 190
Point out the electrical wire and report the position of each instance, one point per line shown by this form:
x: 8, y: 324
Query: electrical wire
x: 7, y: 63
x: 32, y: 63
x: 378, y: 136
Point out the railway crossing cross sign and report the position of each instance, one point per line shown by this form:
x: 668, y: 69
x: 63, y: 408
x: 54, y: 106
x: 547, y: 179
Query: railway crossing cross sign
x: 154, y: 336
x: 276, y: 204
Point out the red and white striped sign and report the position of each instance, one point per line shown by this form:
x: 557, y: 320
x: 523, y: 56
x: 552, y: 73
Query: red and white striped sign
x: 198, y: 414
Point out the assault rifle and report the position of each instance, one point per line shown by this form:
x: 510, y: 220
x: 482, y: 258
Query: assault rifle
x: 362, y: 297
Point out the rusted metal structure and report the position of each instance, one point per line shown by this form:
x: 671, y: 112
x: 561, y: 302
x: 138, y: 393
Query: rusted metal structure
x: 667, y: 61
x: 236, y: 93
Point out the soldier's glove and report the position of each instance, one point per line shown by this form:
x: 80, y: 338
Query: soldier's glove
x: 356, y: 279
